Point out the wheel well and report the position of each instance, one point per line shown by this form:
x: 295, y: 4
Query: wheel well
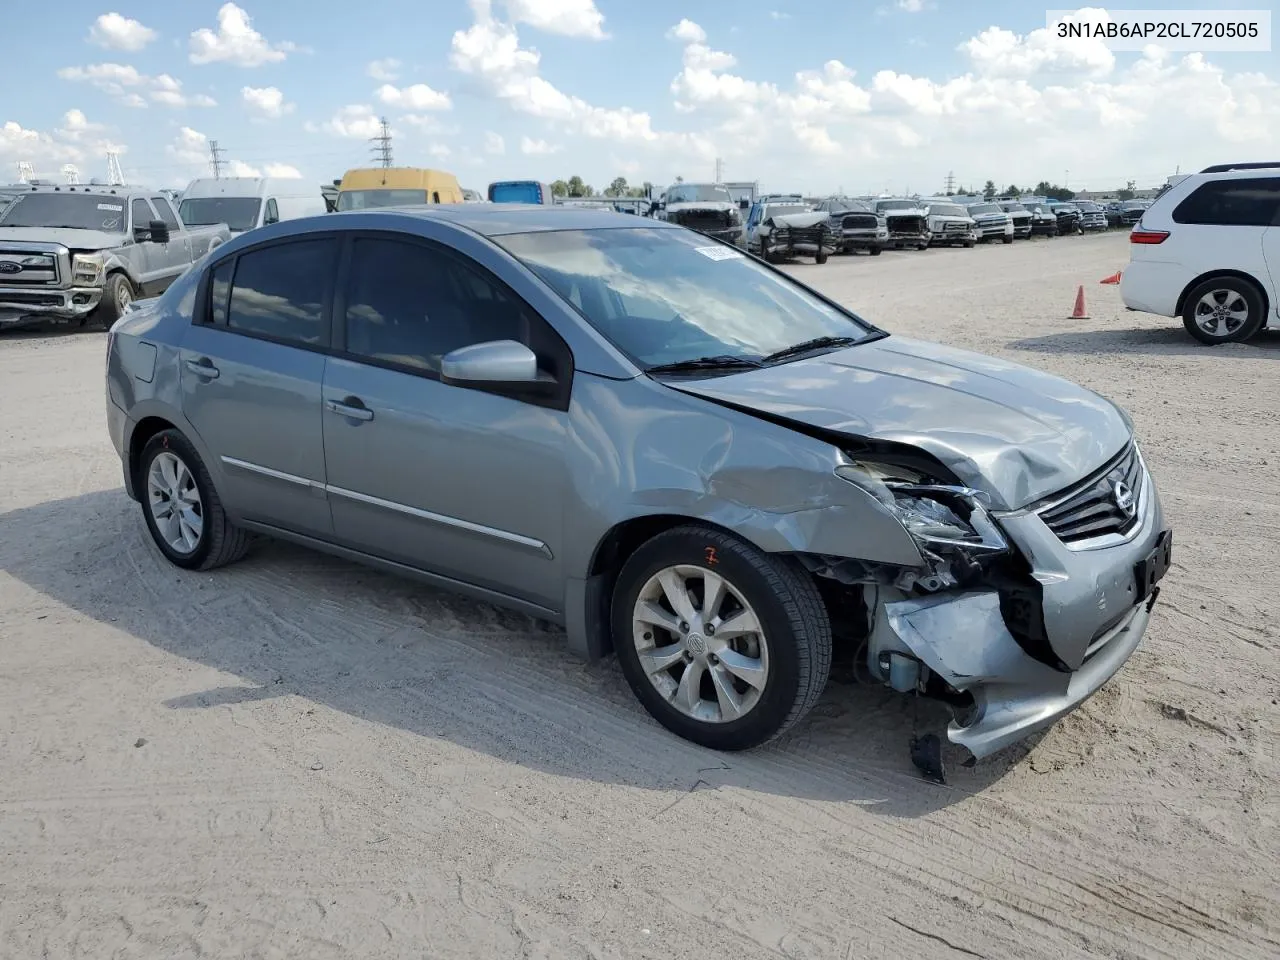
x: 626, y: 537
x: 147, y: 428
x: 1213, y: 274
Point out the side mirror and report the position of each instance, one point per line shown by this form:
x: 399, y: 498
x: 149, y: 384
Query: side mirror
x: 743, y: 204
x: 159, y: 231
x: 497, y: 363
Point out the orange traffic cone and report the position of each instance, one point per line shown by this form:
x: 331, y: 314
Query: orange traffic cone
x: 1114, y: 278
x: 1079, y: 312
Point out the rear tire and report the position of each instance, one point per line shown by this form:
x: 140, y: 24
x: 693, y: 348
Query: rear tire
x: 820, y: 258
x: 748, y: 685
x: 969, y: 244
x: 874, y: 251
x: 183, y: 511
x: 1231, y: 305
x: 1007, y: 239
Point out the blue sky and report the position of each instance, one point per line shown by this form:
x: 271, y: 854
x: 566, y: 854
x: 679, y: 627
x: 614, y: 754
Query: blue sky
x: 815, y: 96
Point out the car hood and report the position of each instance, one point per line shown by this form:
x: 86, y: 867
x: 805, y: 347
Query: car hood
x: 799, y: 220
x: 912, y: 212
x: 1011, y: 431
x: 69, y: 238
x: 719, y: 206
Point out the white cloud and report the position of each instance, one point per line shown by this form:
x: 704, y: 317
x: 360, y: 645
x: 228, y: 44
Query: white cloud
x: 494, y: 144
x: 779, y: 15
x: 77, y: 141
x: 266, y: 101
x: 911, y: 6
x: 536, y: 148
x: 133, y: 89
x: 75, y: 125
x: 1000, y: 52
x: 386, y: 70
x: 116, y: 32
x: 239, y: 169
x: 417, y: 97
x: 235, y: 42
x: 687, y: 31
x: 355, y: 121
x: 571, y: 18
x: 282, y: 170
x: 439, y: 151
x: 189, y: 148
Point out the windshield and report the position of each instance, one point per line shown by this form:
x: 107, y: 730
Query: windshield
x: 698, y: 193
x: 947, y: 210
x: 527, y: 192
x: 238, y: 213
x: 664, y: 296
x: 1089, y: 207
x: 75, y: 211
x: 896, y: 205
x: 784, y: 209
x: 978, y: 208
x: 368, y: 199
x: 1134, y: 205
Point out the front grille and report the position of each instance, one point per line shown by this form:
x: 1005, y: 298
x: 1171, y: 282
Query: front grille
x: 705, y: 222
x: 908, y: 225
x: 1094, y: 508
x: 31, y: 299
x: 858, y: 221
x: 28, y: 267
x: 814, y: 235
x: 955, y: 228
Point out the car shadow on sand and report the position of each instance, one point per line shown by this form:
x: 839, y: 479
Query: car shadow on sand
x: 1159, y: 341
x: 290, y: 621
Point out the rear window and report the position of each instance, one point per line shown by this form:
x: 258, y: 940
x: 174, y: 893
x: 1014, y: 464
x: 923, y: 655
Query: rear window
x: 515, y: 193
x: 1232, y: 203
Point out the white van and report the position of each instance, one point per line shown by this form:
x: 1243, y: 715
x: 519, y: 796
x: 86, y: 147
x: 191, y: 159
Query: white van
x: 243, y: 203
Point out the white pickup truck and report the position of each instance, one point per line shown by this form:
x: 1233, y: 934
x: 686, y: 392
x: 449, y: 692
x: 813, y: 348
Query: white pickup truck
x: 72, y: 253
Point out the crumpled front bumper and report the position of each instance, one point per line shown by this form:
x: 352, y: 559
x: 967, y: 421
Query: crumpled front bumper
x: 24, y: 304
x: 1094, y: 612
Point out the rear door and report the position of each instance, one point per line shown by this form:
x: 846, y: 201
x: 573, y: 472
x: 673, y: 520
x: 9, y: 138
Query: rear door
x: 465, y: 483
x: 252, y: 365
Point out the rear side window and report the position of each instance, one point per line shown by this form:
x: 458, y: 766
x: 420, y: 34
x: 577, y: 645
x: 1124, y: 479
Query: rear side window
x: 219, y: 287
x: 280, y: 291
x: 1232, y: 203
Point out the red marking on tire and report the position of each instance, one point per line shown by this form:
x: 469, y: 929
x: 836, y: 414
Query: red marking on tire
x: 712, y: 560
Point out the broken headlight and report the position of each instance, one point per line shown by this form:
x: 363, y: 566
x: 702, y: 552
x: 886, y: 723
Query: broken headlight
x: 936, y: 515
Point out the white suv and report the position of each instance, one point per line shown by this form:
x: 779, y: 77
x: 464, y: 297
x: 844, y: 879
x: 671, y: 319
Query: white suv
x: 1208, y: 250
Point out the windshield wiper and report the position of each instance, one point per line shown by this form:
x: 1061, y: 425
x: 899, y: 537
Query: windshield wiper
x: 719, y: 362
x: 807, y: 346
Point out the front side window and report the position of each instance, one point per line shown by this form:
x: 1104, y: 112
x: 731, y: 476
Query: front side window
x: 280, y: 291
x: 72, y: 211
x: 272, y: 214
x: 1232, y: 203
x: 667, y: 296
x: 238, y: 213
x: 166, y: 212
x: 372, y: 199
x: 142, y: 215
x: 408, y: 305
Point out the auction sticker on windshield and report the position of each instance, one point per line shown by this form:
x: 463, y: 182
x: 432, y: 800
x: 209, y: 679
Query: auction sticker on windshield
x: 720, y: 253
x: 114, y: 208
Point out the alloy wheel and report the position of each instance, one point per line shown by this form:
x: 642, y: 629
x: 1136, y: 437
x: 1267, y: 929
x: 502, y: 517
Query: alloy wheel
x: 174, y: 502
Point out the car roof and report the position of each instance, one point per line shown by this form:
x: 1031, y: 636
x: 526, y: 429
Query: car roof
x: 501, y: 219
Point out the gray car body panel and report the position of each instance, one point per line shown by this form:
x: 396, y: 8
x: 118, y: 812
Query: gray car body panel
x: 522, y: 522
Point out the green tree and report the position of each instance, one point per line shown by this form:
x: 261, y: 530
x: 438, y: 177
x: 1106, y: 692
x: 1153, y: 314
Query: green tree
x: 559, y: 188
x: 989, y: 190
x: 1127, y: 192
x: 618, y: 188
x: 1012, y: 191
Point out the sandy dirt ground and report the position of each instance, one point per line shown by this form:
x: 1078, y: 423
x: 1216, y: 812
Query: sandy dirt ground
x: 296, y: 757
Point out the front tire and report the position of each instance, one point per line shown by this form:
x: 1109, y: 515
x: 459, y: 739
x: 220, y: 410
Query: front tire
x: 183, y: 511
x: 1223, y: 310
x: 724, y: 645
x: 820, y: 258
x: 875, y: 251
x: 116, y: 297
x: 1007, y: 239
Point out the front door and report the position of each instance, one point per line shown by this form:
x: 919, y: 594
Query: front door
x: 252, y: 365
x: 151, y: 257
x: 464, y: 483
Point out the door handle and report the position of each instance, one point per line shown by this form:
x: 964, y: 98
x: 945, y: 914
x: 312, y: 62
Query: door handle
x: 349, y: 407
x: 203, y: 368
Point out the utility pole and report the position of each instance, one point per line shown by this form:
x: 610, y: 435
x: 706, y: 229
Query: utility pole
x: 115, y: 176
x: 951, y: 183
x: 216, y: 162
x: 382, y: 143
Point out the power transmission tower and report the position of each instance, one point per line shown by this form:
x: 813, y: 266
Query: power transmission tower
x: 951, y: 183
x: 71, y: 172
x: 719, y: 170
x: 216, y: 162
x: 382, y: 143
x: 26, y: 172
x: 115, y: 176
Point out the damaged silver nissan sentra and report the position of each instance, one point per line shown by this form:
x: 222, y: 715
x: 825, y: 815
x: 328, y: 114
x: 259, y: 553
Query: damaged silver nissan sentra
x: 671, y: 448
